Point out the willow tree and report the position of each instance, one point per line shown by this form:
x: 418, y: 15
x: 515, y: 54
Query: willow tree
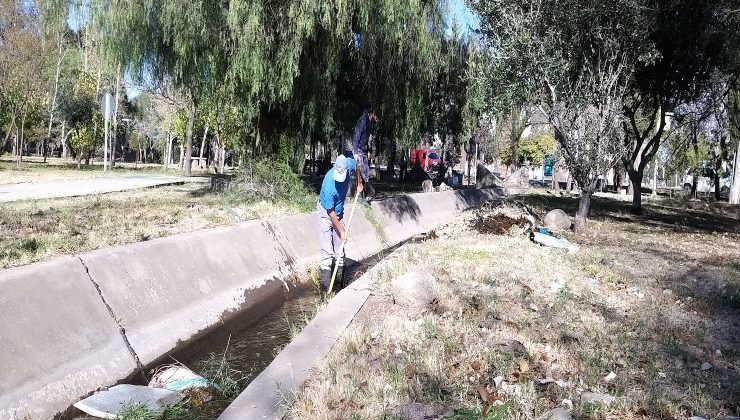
x: 279, y: 63
x: 184, y: 42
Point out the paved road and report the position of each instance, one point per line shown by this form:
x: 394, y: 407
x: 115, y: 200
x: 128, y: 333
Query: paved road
x: 73, y: 188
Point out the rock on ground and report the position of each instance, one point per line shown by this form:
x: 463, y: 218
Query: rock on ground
x: 486, y: 179
x: 557, y: 220
x: 519, y: 179
x: 556, y: 414
x: 509, y: 346
x: 415, y: 289
x: 596, y: 398
x: 418, y: 411
x: 443, y: 187
x: 427, y: 186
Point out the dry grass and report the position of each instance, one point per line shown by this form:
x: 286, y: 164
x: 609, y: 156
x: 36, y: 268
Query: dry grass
x: 40, y: 229
x: 650, y: 299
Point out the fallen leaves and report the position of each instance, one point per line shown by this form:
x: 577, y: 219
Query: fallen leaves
x: 489, y: 399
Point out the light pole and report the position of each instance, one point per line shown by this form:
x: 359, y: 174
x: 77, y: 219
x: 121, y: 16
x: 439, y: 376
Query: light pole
x: 107, y: 109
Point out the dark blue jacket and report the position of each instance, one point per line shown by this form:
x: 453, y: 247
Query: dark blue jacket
x: 361, y: 135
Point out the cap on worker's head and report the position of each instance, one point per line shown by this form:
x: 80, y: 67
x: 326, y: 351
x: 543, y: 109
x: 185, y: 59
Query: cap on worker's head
x: 340, y: 169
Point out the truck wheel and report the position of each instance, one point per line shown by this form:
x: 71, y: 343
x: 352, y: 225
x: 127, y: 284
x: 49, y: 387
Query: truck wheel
x: 687, y: 187
x: 724, y: 190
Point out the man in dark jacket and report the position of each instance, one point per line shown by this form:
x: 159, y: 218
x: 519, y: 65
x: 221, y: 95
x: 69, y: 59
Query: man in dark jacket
x: 360, y: 146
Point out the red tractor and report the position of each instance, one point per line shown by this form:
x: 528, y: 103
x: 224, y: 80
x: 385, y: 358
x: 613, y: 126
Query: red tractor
x: 426, y: 158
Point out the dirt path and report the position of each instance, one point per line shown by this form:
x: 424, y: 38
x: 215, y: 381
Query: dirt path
x: 642, y: 322
x: 80, y: 187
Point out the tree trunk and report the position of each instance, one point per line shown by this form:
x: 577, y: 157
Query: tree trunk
x: 717, y: 195
x: 514, y: 144
x: 114, y: 135
x: 655, y: 178
x: 64, y: 140
x: 202, y: 147
x: 695, y: 147
x: 53, y: 105
x: 402, y: 174
x: 181, y: 161
x: 636, y: 190
x: 168, y: 150
x: 735, y: 188
x: 391, y: 169
x: 221, y: 157
x: 584, y: 203
x: 189, y: 140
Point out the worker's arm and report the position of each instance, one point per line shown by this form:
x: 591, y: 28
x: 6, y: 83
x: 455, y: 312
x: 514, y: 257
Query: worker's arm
x: 358, y: 181
x: 337, y: 225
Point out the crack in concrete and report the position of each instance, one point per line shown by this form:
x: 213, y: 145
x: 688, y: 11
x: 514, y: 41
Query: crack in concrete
x: 112, y: 314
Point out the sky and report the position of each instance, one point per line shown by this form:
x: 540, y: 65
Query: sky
x: 466, y: 19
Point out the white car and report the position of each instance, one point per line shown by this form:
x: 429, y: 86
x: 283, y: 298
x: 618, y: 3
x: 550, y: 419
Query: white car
x: 705, y: 182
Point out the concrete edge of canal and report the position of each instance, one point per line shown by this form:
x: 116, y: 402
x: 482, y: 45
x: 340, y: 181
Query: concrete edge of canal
x: 78, y: 323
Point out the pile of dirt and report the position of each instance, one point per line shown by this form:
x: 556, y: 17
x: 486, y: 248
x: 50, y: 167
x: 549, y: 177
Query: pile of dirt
x: 507, y: 217
x: 501, y: 224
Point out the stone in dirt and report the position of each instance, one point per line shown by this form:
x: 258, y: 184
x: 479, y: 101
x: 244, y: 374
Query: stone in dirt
x: 706, y: 366
x: 418, y: 411
x: 597, y: 398
x: 427, y: 186
x: 519, y: 179
x: 487, y: 179
x: 557, y: 220
x: 416, y: 289
x: 510, y: 347
x: 444, y: 187
x: 559, y: 413
x: 108, y: 404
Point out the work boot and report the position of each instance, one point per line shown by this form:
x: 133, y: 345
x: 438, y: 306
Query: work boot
x: 339, y: 281
x: 324, y: 279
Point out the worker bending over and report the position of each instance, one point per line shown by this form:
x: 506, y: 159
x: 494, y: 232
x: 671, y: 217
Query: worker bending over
x: 330, y: 210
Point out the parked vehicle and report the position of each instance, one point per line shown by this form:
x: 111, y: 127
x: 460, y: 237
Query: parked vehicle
x: 427, y: 158
x: 705, y: 181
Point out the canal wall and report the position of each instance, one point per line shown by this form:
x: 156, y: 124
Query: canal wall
x: 77, y: 323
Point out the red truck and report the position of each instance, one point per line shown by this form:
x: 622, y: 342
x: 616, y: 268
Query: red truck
x: 427, y: 158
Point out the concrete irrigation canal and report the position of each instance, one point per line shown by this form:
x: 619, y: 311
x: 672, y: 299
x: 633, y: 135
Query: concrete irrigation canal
x: 76, y: 324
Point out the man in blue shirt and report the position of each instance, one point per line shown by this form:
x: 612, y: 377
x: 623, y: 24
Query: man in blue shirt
x: 361, y: 145
x: 330, y: 209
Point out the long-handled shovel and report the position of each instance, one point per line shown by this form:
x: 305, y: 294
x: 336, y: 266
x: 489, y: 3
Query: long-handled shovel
x: 341, y: 247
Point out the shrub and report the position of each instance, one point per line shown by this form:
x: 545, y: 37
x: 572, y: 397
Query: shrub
x: 275, y: 181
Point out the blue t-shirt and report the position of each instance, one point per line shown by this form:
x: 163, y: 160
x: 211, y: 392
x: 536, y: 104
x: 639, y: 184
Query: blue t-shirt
x: 333, y: 193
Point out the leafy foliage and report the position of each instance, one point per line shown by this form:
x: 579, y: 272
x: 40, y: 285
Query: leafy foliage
x: 265, y: 179
x: 532, y: 149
